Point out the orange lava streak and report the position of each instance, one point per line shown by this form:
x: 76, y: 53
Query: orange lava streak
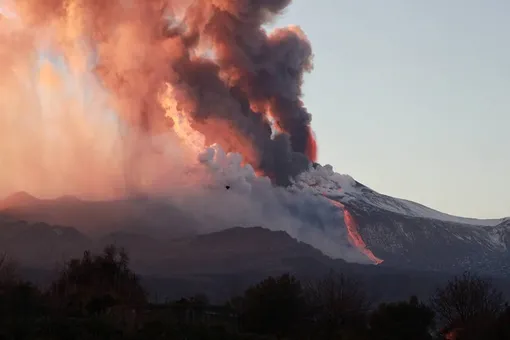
x: 354, y: 236
x: 311, y: 147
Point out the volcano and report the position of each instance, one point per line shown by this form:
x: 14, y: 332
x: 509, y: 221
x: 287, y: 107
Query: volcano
x: 148, y: 121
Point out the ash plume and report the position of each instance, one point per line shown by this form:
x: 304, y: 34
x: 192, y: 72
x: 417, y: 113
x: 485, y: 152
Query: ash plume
x: 228, y: 75
x: 106, y: 100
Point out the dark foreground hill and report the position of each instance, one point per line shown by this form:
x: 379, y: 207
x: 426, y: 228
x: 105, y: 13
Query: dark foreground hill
x: 220, y: 264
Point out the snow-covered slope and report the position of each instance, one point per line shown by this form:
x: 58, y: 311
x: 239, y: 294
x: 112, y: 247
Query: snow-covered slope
x: 345, y: 189
x: 407, y: 234
x: 409, y: 208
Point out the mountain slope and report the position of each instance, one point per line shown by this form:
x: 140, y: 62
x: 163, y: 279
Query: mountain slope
x: 409, y: 235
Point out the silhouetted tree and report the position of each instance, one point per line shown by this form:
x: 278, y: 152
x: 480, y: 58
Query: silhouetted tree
x: 493, y: 328
x: 402, y: 321
x: 502, y: 326
x: 8, y: 270
x: 17, y: 298
x: 21, y: 303
x: 191, y: 309
x: 337, y: 307
x: 274, y: 306
x: 92, y: 284
x: 468, y: 301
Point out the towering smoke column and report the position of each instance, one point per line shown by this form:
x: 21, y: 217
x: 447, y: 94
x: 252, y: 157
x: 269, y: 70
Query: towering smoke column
x: 108, y: 98
x: 268, y: 69
x: 224, y: 71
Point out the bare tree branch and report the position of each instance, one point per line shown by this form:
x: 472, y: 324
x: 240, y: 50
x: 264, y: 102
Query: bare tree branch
x: 466, y: 298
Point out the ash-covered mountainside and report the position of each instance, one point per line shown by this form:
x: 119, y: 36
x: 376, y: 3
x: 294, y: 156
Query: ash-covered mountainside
x: 409, y: 235
x: 406, y: 234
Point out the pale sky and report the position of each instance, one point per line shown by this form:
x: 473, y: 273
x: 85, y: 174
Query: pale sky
x: 411, y: 97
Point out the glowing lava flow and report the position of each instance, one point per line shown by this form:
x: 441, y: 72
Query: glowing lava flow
x: 354, y: 236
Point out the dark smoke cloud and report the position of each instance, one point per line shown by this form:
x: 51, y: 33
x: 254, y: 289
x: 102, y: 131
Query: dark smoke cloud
x: 252, y: 75
x: 269, y: 69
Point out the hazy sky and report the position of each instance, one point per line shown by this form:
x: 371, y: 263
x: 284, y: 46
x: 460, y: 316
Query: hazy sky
x: 411, y: 97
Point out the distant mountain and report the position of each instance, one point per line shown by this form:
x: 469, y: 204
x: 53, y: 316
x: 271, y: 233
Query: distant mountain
x: 101, y: 217
x: 19, y: 199
x: 40, y: 244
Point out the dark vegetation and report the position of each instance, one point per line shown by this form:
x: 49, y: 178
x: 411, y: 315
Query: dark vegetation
x: 99, y: 297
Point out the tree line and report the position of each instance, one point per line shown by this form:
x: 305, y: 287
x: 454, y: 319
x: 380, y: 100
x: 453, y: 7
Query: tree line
x: 100, y: 297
